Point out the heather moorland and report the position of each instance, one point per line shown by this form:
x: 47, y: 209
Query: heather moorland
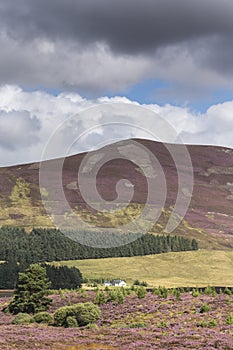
x: 155, y: 320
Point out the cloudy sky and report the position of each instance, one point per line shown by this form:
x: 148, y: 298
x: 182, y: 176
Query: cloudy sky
x: 58, y: 58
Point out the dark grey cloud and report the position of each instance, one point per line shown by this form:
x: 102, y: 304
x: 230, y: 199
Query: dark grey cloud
x: 84, y: 43
x: 127, y: 26
x: 219, y: 54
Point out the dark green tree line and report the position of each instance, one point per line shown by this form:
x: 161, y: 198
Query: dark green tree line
x: 51, y: 245
x: 63, y: 277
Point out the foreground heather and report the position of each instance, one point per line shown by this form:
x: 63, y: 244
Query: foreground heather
x: 148, y: 323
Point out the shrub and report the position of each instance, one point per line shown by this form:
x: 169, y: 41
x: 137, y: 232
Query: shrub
x: 163, y: 324
x: 113, y: 295
x: 83, y: 292
x: 144, y: 284
x: 136, y: 283
x: 61, y: 314
x: 202, y: 323
x: 210, y: 291
x: 123, y: 291
x: 162, y: 292
x: 227, y: 291
x: 71, y: 322
x: 195, y: 293
x: 100, y: 298
x: 204, y: 308
x: 87, y: 313
x: 43, y: 317
x: 127, y: 291
x: 92, y: 326
x: 22, y: 318
x: 229, y: 319
x: 84, y: 314
x: 138, y: 325
x: 120, y: 297
x: 176, y: 293
x: 212, y: 323
x: 141, y: 292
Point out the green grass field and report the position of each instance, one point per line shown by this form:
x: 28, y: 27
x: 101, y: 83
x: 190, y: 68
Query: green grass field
x: 195, y: 268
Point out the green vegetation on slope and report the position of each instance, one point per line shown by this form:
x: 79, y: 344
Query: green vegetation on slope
x: 196, y: 268
x: 23, y: 207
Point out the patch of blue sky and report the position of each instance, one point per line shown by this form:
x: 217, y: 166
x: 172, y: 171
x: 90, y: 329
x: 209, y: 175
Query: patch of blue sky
x: 153, y: 91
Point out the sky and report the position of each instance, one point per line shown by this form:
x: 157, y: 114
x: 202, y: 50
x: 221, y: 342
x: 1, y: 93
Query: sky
x: 58, y: 58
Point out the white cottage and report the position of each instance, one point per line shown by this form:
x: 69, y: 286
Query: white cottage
x: 107, y: 283
x: 119, y: 283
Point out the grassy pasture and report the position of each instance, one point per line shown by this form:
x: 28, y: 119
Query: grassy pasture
x: 195, y: 268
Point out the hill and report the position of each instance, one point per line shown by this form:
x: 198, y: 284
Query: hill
x: 209, y: 218
x: 182, y: 269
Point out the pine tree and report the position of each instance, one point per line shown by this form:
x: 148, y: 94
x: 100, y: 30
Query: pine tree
x: 194, y: 244
x: 31, y: 291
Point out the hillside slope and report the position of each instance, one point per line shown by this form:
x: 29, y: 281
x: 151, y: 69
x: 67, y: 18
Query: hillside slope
x: 209, y: 218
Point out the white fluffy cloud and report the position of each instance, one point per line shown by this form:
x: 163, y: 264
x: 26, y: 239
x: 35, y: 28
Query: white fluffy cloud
x: 28, y: 119
x: 13, y: 126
